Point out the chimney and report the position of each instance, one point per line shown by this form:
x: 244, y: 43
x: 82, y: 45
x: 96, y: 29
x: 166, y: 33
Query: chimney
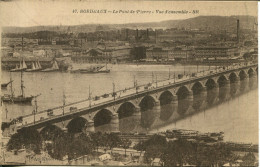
x: 137, y: 34
x: 126, y: 34
x: 237, y: 31
x: 147, y: 33
x: 22, y: 43
x: 156, y: 36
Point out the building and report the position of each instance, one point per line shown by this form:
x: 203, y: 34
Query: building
x: 179, y: 54
x: 174, y: 37
x: 157, y: 53
x: 216, y: 52
x: 109, y: 54
x: 168, y: 54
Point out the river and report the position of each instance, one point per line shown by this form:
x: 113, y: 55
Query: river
x: 236, y: 117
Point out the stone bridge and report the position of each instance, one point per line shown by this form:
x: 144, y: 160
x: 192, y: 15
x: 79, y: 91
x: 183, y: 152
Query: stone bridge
x: 180, y: 94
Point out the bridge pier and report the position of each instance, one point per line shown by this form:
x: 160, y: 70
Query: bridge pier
x: 235, y: 88
x: 224, y: 91
x: 184, y: 105
x: 114, y: 123
x: 157, y: 106
x: 253, y: 81
x: 137, y: 112
x: 199, y: 99
x: 244, y: 84
x: 174, y: 100
x: 89, y: 127
x: 213, y: 94
x: 190, y: 97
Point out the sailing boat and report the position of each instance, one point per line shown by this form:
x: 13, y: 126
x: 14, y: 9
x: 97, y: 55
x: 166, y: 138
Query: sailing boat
x: 104, y: 70
x: 22, y: 67
x: 95, y: 70
x: 17, y: 99
x: 54, y: 67
x: 38, y: 65
x: 35, y: 67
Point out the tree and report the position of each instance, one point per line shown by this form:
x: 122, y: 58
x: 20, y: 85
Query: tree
x: 125, y: 143
x: 112, y: 140
x: 79, y: 146
x: 97, y: 139
x: 60, y: 146
x: 30, y: 138
x: 180, y: 152
x: 248, y: 160
x: 158, y: 140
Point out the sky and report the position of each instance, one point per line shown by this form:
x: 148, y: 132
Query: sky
x: 25, y: 13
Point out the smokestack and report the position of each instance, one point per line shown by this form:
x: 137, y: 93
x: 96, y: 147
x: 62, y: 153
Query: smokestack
x: 147, y: 33
x: 156, y: 35
x: 137, y: 34
x: 22, y: 43
x: 126, y: 34
x: 237, y: 31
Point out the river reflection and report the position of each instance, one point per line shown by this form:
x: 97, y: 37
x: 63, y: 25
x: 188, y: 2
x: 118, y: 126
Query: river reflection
x: 209, y: 101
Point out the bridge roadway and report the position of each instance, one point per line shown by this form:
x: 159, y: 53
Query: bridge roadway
x: 87, y: 106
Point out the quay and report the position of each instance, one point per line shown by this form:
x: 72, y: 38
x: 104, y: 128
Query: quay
x: 109, y: 108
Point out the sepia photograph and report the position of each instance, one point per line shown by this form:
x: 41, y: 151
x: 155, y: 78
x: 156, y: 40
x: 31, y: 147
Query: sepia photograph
x: 129, y: 83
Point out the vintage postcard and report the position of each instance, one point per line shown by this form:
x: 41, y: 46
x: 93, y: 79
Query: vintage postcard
x: 129, y: 83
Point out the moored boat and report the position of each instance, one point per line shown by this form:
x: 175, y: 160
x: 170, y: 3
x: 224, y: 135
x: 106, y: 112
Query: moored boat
x: 35, y: 67
x: 11, y: 98
x: 94, y: 70
x: 54, y: 67
x: 21, y: 67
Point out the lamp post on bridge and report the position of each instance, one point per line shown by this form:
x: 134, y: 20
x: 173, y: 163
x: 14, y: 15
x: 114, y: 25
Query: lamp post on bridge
x: 152, y: 77
x: 64, y: 102
x: 174, y: 76
x: 169, y: 74
x: 114, y: 93
x: 134, y: 82
x: 156, y: 80
x: 89, y: 96
x: 35, y: 110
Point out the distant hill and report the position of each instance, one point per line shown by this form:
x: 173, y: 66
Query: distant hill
x: 200, y: 22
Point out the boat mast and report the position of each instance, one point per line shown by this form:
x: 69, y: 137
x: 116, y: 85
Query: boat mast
x: 89, y: 96
x: 64, y: 102
x: 22, y: 84
x: 11, y: 85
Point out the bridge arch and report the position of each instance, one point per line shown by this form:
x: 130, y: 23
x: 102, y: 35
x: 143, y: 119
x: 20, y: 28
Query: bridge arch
x: 251, y: 72
x: 148, y: 113
x: 148, y: 102
x: 210, y: 84
x: 183, y: 101
x: 242, y: 75
x: 233, y: 77
x: 50, y: 132
x: 102, y: 117
x: 167, y: 107
x: 126, y: 109
x: 222, y: 80
x: 76, y: 125
x: 182, y: 92
x: 166, y: 97
x: 129, y: 116
x: 197, y: 88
